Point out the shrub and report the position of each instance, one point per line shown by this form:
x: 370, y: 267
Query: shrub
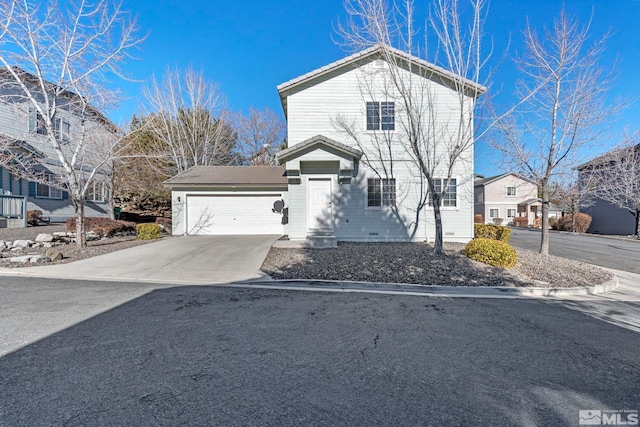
x: 492, y: 252
x: 478, y: 219
x: 497, y: 221
x: 583, y: 221
x: 102, y: 226
x: 537, y: 223
x: 553, y: 222
x: 493, y: 232
x: 33, y: 217
x: 521, y: 221
x: 147, y: 231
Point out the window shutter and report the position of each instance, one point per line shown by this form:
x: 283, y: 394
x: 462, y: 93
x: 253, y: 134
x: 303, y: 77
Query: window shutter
x: 32, y: 189
x: 65, y: 195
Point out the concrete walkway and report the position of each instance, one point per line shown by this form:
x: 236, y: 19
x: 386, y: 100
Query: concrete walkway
x: 182, y: 260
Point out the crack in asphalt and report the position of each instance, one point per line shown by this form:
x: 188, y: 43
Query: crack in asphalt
x: 375, y: 345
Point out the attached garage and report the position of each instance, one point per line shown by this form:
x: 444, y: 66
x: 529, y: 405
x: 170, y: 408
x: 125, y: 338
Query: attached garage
x: 239, y: 213
x: 225, y: 200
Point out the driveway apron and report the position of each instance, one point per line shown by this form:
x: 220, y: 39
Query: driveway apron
x: 179, y: 260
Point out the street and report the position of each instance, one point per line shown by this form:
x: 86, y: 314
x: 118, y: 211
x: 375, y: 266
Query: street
x: 214, y: 355
x: 605, y: 252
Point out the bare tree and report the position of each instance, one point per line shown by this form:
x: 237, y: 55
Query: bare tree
x: 617, y: 177
x: 562, y: 102
x: 260, y: 136
x: 56, y: 63
x: 572, y: 193
x: 434, y: 127
x: 189, y: 120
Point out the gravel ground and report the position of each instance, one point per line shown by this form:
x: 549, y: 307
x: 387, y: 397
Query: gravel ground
x: 70, y: 251
x: 415, y: 263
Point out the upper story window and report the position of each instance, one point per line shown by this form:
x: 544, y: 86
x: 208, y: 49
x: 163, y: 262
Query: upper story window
x: 61, y: 126
x: 381, y: 192
x: 381, y: 116
x: 511, y: 191
x: 36, y: 122
x: 46, y: 191
x: 450, y: 197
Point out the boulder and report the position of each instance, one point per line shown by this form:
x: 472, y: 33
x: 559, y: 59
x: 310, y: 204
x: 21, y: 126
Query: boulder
x: 39, y: 259
x: 22, y: 243
x: 54, y: 255
x: 59, y: 234
x: 21, y: 259
x: 44, y: 237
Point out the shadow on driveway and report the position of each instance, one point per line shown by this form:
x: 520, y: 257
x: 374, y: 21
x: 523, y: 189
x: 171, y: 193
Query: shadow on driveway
x: 212, y: 355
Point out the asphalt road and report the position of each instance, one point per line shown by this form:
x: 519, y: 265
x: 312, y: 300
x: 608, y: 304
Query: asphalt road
x: 224, y: 356
x: 612, y: 253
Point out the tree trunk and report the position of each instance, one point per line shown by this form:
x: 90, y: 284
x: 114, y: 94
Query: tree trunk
x: 81, y: 236
x: 544, y: 240
x: 437, y: 245
x: 638, y: 223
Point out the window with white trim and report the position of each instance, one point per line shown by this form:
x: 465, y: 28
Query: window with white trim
x: 494, y: 213
x: 96, y: 192
x: 381, y: 116
x: 450, y: 197
x: 45, y: 191
x: 381, y: 192
x: 511, y: 191
x: 36, y: 122
x: 511, y: 213
x: 62, y: 128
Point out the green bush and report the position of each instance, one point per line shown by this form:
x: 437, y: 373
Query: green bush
x: 493, y: 232
x: 147, y: 231
x: 492, y: 252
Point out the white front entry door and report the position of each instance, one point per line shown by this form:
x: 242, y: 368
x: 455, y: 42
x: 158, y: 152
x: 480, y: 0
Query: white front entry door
x: 320, y: 213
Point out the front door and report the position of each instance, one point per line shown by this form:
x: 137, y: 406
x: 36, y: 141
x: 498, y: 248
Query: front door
x: 320, y: 214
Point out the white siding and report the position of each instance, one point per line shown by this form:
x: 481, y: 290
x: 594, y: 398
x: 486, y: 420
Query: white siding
x: 314, y: 109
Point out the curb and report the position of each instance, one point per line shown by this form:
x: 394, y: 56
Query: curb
x: 361, y: 287
x: 426, y: 290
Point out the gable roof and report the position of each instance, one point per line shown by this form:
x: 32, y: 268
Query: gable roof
x: 230, y: 175
x: 495, y: 178
x: 374, y: 51
x: 318, y: 139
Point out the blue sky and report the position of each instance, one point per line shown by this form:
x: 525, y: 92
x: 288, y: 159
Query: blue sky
x: 250, y: 46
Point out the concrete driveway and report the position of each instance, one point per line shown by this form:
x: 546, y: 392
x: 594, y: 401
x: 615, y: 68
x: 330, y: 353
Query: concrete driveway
x: 179, y: 260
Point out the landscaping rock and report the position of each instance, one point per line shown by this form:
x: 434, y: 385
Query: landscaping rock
x: 54, y: 255
x: 39, y: 259
x: 21, y: 259
x: 44, y: 237
x: 59, y: 234
x: 22, y: 243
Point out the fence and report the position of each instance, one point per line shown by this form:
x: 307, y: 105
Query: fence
x: 14, y: 207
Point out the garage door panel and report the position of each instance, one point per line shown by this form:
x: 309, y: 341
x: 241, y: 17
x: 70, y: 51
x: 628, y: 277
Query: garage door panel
x: 249, y: 213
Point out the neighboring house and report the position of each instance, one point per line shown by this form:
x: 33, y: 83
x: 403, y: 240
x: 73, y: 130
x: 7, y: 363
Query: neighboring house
x: 22, y: 131
x: 327, y: 192
x: 507, y: 196
x: 607, y: 218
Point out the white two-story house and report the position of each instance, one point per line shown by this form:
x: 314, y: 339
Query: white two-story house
x: 334, y: 182
x: 22, y: 132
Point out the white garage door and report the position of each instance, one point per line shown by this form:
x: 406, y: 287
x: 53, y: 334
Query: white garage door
x: 246, y: 213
